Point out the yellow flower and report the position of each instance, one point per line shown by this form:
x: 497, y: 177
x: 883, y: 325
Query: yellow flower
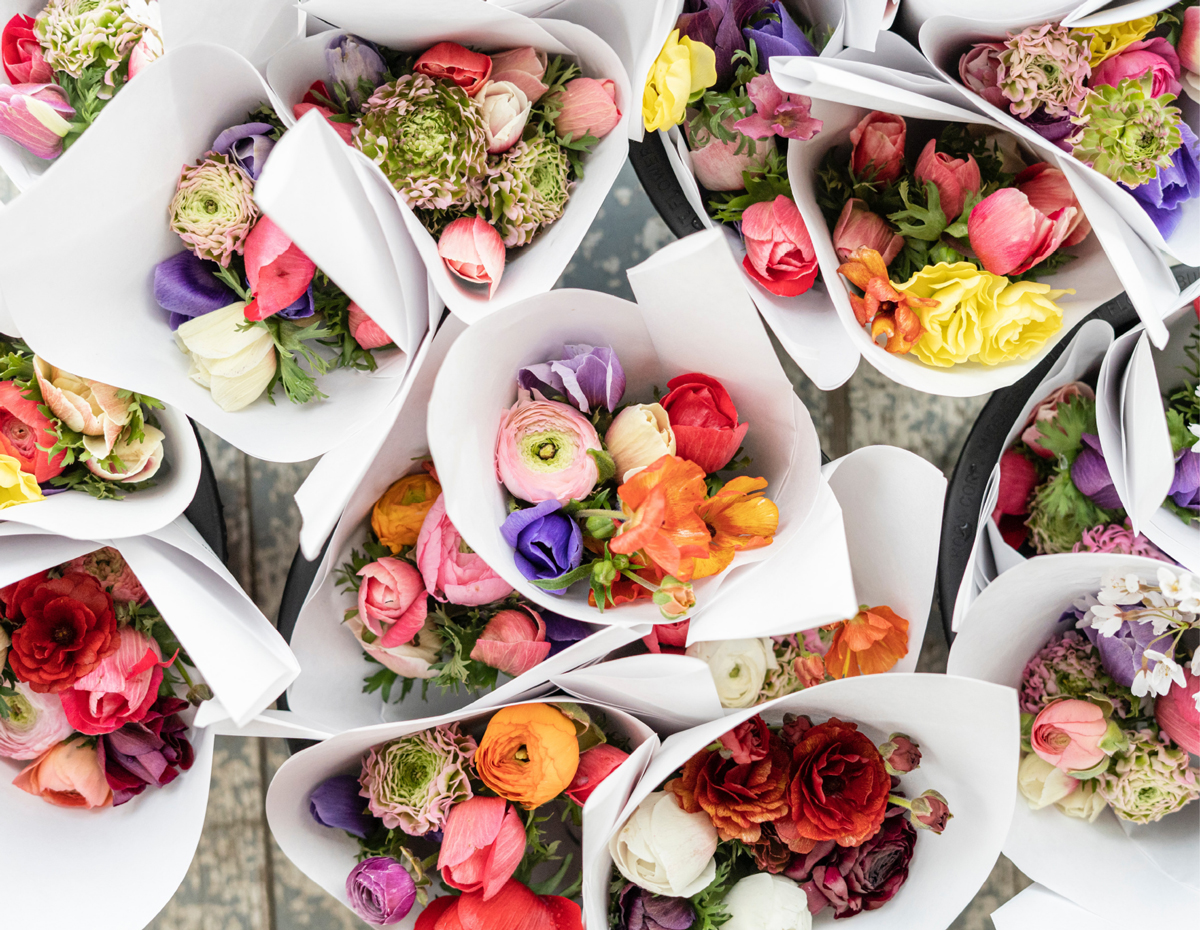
x: 682, y: 68
x: 1023, y: 317
x: 1106, y: 41
x: 16, y: 486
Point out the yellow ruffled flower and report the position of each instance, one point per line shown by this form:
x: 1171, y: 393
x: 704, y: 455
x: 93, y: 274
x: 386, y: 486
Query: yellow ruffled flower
x: 16, y: 486
x: 1105, y: 41
x: 1023, y: 317
x: 682, y: 68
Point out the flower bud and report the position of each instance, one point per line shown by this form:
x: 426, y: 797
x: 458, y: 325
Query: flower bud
x: 859, y: 228
x: 473, y: 250
x: 352, y: 61
x: 599, y: 527
x: 513, y: 641
x: 22, y: 53
x: 718, y: 166
x: 979, y: 70
x: 365, y: 331
x: 809, y: 668
x: 639, y: 435
x: 1041, y: 783
x: 1010, y: 235
x: 878, y: 141
x: 674, y: 598
x: 900, y: 754
x: 604, y: 572
x: 595, y: 765
x: 930, y: 811
x: 954, y: 178
x: 1178, y: 715
x: 505, y: 112
x: 587, y: 107
x: 449, y: 61
x: 37, y: 116
x: 524, y: 67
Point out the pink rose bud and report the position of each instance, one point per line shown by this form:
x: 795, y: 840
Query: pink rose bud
x: 451, y: 62
x: 1188, y: 48
x: 779, y: 251
x: 524, y: 67
x: 1067, y: 734
x: 391, y: 601
x: 1154, y: 56
x: 588, y: 107
x: 595, y: 765
x: 482, y: 845
x: 1177, y: 714
x: 1010, y: 235
x: 718, y: 166
x: 900, y: 754
x: 809, y: 668
x: 859, y: 228
x: 365, y: 331
x: 37, y: 116
x: 930, y: 812
x: 67, y: 775
x: 1048, y: 190
x: 878, y: 154
x: 22, y: 53
x: 1047, y: 410
x: 954, y: 178
x: 513, y: 642
x: 473, y: 250
x: 505, y: 111
x: 674, y: 598
x: 979, y: 70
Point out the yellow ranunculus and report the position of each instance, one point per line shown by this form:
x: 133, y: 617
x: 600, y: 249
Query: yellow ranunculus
x: 682, y: 68
x: 1023, y: 317
x: 16, y: 486
x: 1106, y: 41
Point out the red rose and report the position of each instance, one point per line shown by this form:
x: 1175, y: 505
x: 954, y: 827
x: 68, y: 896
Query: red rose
x: 704, y: 420
x: 22, y: 429
x: 841, y: 786
x: 22, y: 53
x: 69, y: 628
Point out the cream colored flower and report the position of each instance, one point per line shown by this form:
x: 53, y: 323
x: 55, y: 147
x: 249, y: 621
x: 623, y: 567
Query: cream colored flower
x: 640, y: 435
x: 1086, y: 803
x: 86, y: 406
x: 1041, y: 783
x: 665, y: 850
x: 236, y: 365
x: 738, y: 666
x: 140, y: 460
x: 410, y: 660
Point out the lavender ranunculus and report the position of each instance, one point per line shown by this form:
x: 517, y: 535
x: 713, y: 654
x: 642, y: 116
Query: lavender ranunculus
x: 248, y: 144
x: 152, y: 751
x: 336, y: 803
x: 1163, y: 196
x: 782, y: 37
x: 185, y: 285
x: 590, y: 376
x: 353, y: 61
x: 1185, y: 488
x: 546, y: 542
x: 1090, y: 474
x: 1121, y: 653
x: 563, y: 631
x: 380, y: 890
x: 644, y: 910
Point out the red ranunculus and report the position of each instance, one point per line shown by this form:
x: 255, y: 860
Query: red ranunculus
x: 878, y: 141
x: 22, y: 429
x: 670, y: 638
x: 749, y: 741
x: 22, y: 53
x: 704, y: 420
x: 514, y: 907
x: 67, y: 628
x: 1018, y: 478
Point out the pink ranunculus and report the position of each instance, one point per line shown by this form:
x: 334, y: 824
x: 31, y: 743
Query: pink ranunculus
x: 109, y: 567
x: 1018, y: 478
x: 473, y: 250
x: 859, y: 228
x: 452, y: 572
x: 35, y: 723
x: 878, y: 141
x: 524, y: 67
x: 22, y: 53
x: 278, y: 272
x: 670, y: 638
x: 1177, y: 714
x: 483, y: 842
x: 391, y: 600
x: 595, y: 765
x: 776, y: 113
x: 67, y: 775
x: 365, y: 331
x: 1188, y: 48
x: 979, y: 70
x: 120, y: 689
x: 1010, y: 235
x: 1155, y: 57
x: 587, y: 107
x: 779, y: 251
x: 513, y: 642
x: 1048, y: 190
x: 543, y: 451
x: 1067, y: 734
x: 450, y: 61
x: 146, y: 52
x: 1047, y: 409
x: 718, y: 166
x: 954, y: 178
x: 26, y: 434
x: 37, y: 116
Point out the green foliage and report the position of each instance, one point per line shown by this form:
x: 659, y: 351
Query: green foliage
x: 1063, y: 435
x: 266, y: 114
x: 958, y: 141
x: 291, y: 341
x: 762, y: 185
x: 716, y: 108
x: 1184, y: 402
x: 539, y: 852
x: 333, y: 305
x: 734, y: 861
x: 347, y: 576
x: 1059, y: 513
x: 83, y: 93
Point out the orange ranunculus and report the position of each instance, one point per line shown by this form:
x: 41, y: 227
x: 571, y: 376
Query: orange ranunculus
x: 398, y: 515
x: 869, y: 643
x: 889, y: 311
x: 528, y: 754
x: 661, y: 502
x: 737, y: 518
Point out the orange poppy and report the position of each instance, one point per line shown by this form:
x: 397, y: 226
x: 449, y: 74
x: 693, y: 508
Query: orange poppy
x: 867, y: 644
x: 660, y: 502
x: 889, y: 311
x: 737, y: 518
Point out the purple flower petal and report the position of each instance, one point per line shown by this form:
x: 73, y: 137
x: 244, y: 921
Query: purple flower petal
x: 336, y: 803
x: 185, y: 285
x: 1054, y: 129
x: 248, y: 144
x: 1090, y: 474
x: 301, y: 308
x: 1163, y: 195
x: 1121, y: 654
x: 589, y: 376
x: 1185, y: 488
x: 546, y: 542
x: 778, y: 38
x: 563, y: 631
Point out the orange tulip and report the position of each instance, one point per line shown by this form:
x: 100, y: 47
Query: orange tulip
x: 869, y: 643
x: 889, y: 311
x: 528, y: 754
x: 398, y: 515
x: 737, y: 518
x: 660, y: 502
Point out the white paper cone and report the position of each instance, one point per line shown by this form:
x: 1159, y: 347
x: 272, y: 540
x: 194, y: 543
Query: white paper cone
x: 1039, y: 908
x: 867, y: 19
x: 1009, y: 622
x: 1104, y: 12
x: 913, y: 13
x: 326, y: 855
x: 114, y: 187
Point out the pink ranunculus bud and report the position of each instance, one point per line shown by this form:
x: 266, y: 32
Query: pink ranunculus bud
x: 900, y: 754
x: 451, y: 571
x: 505, y: 112
x: 1047, y: 410
x: 365, y: 331
x: 1154, y: 56
x: 146, y: 52
x: 809, y: 668
x: 674, y: 598
x: 391, y: 601
x: 954, y: 178
x: 859, y: 228
x: 587, y: 107
x: 22, y: 53
x: 718, y: 166
x: 1188, y: 48
x: 779, y: 251
x: 595, y: 765
x: 473, y: 250
x: 345, y: 130
x: 513, y: 641
x: 482, y: 845
x: 67, y: 775
x: 278, y: 272
x: 1048, y: 190
x: 1176, y: 711
x: 1010, y: 235
x: 979, y: 69
x: 878, y: 142
x: 930, y: 811
x: 524, y: 67
x: 1067, y: 734
x: 450, y: 61
x: 37, y: 116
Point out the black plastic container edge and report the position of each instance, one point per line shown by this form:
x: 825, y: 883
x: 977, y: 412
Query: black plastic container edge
x: 206, y: 512
x: 650, y: 163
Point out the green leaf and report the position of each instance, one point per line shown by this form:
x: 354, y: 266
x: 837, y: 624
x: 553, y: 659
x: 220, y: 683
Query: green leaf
x: 1063, y: 435
x: 291, y: 342
x: 605, y: 465
x: 926, y: 223
x: 762, y: 185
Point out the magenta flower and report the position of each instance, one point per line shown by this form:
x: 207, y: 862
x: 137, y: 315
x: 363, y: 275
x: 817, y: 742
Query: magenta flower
x: 777, y: 113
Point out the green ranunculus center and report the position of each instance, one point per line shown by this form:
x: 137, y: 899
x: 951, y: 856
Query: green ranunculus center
x: 20, y: 711
x: 550, y: 450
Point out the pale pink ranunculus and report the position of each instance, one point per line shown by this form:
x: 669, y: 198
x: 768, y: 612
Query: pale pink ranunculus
x: 779, y: 251
x: 86, y: 406
x: 414, y: 659
x: 595, y: 765
x: 1010, y: 235
x: 859, y: 228
x: 1067, y: 734
x: 1155, y: 57
x: 542, y: 451
x: 452, y: 572
x: 473, y: 250
x: 67, y: 775
x: 391, y: 600
x: 1177, y: 714
x: 146, y: 52
x: 365, y: 331
x: 1047, y: 409
x: 587, y: 107
x: 505, y: 110
x: 514, y: 641
x: 483, y: 842
x: 35, y: 722
x: 1049, y: 190
x: 878, y: 141
x: 954, y: 178
x: 718, y: 166
x: 979, y: 70
x: 119, y: 690
x: 1188, y: 48
x: 524, y: 67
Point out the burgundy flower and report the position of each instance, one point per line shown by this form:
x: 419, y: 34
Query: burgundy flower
x: 644, y: 910
x: 151, y: 752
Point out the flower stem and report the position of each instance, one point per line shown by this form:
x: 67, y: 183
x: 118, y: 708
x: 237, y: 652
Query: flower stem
x: 649, y: 586
x: 612, y: 514
x: 900, y: 802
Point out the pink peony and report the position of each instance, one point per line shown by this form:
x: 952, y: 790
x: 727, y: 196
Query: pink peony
x: 1049, y: 190
x: 452, y: 572
x: 109, y: 567
x: 482, y: 845
x: 542, y: 451
x: 35, y: 722
x: 776, y: 113
x: 859, y: 228
x: 365, y: 331
x: 595, y: 765
x: 779, y: 251
x: 513, y: 642
x: 1067, y: 734
x: 1177, y: 714
x: 391, y: 601
x: 1154, y: 56
x: 1010, y: 235
x: 67, y: 775
x: 120, y: 689
x: 1047, y: 411
x: 954, y: 178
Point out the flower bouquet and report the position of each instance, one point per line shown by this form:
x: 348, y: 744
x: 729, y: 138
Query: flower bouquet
x: 193, y: 243
x: 515, y: 148
x: 473, y: 820
x: 805, y: 810
x: 1100, y: 648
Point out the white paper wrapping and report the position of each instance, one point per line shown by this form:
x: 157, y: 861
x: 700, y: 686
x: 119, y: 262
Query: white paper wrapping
x: 326, y: 855
x: 969, y: 735
x: 107, y: 211
x: 1039, y: 908
x: 1159, y: 864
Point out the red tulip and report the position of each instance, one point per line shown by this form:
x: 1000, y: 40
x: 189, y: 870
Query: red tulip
x: 705, y: 421
x: 312, y: 102
x: 954, y: 178
x: 513, y: 642
x: 278, y: 272
x: 365, y: 331
x: 878, y: 147
x: 450, y: 61
x: 22, y: 53
x: 1048, y: 190
x: 473, y: 250
x: 1010, y: 235
x: 859, y: 228
x: 482, y: 845
x: 514, y: 907
x: 595, y: 765
x: 524, y: 67
x: 588, y: 107
x: 779, y: 251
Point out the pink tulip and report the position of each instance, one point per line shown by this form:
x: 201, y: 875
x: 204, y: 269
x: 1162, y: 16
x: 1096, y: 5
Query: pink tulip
x: 278, y: 272
x: 1188, y: 48
x: 37, y: 116
x: 473, y: 250
x: 954, y: 178
x: 595, y: 765
x: 1047, y: 410
x: 365, y: 331
x: 1067, y: 734
x: 878, y: 147
x: 1048, y: 190
x: 979, y: 70
x: 513, y: 642
x: 588, y: 107
x: 859, y: 228
x: 451, y: 571
x: 452, y: 62
x: 119, y: 690
x: 67, y: 775
x: 1176, y: 711
x: 1010, y: 235
x: 391, y: 601
x: 718, y: 166
x: 779, y: 250
x: 483, y: 842
x: 1154, y: 56
x: 524, y: 67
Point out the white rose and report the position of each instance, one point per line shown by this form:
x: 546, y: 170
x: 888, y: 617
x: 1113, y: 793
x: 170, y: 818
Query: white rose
x: 738, y: 667
x: 665, y: 850
x: 1086, y: 803
x: 640, y: 435
x: 235, y: 365
x: 767, y: 902
x: 1041, y: 783
x: 409, y: 660
x: 505, y: 112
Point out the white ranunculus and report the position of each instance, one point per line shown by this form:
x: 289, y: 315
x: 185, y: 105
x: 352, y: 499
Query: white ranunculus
x: 1085, y: 803
x: 1041, y: 783
x: 505, y: 112
x: 410, y: 660
x: 665, y: 850
x: 235, y: 365
x: 738, y: 667
x: 640, y: 435
x: 140, y: 459
x: 767, y: 902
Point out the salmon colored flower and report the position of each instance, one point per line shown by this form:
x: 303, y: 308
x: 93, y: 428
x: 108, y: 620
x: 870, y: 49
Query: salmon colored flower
x: 809, y: 668
x: 738, y: 517
x: 514, y: 907
x: 528, y: 754
x: 869, y: 643
x: 660, y: 502
x: 67, y: 775
x: 625, y: 591
x: 398, y: 515
x: 890, y: 312
x: 451, y: 62
x: 482, y: 845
